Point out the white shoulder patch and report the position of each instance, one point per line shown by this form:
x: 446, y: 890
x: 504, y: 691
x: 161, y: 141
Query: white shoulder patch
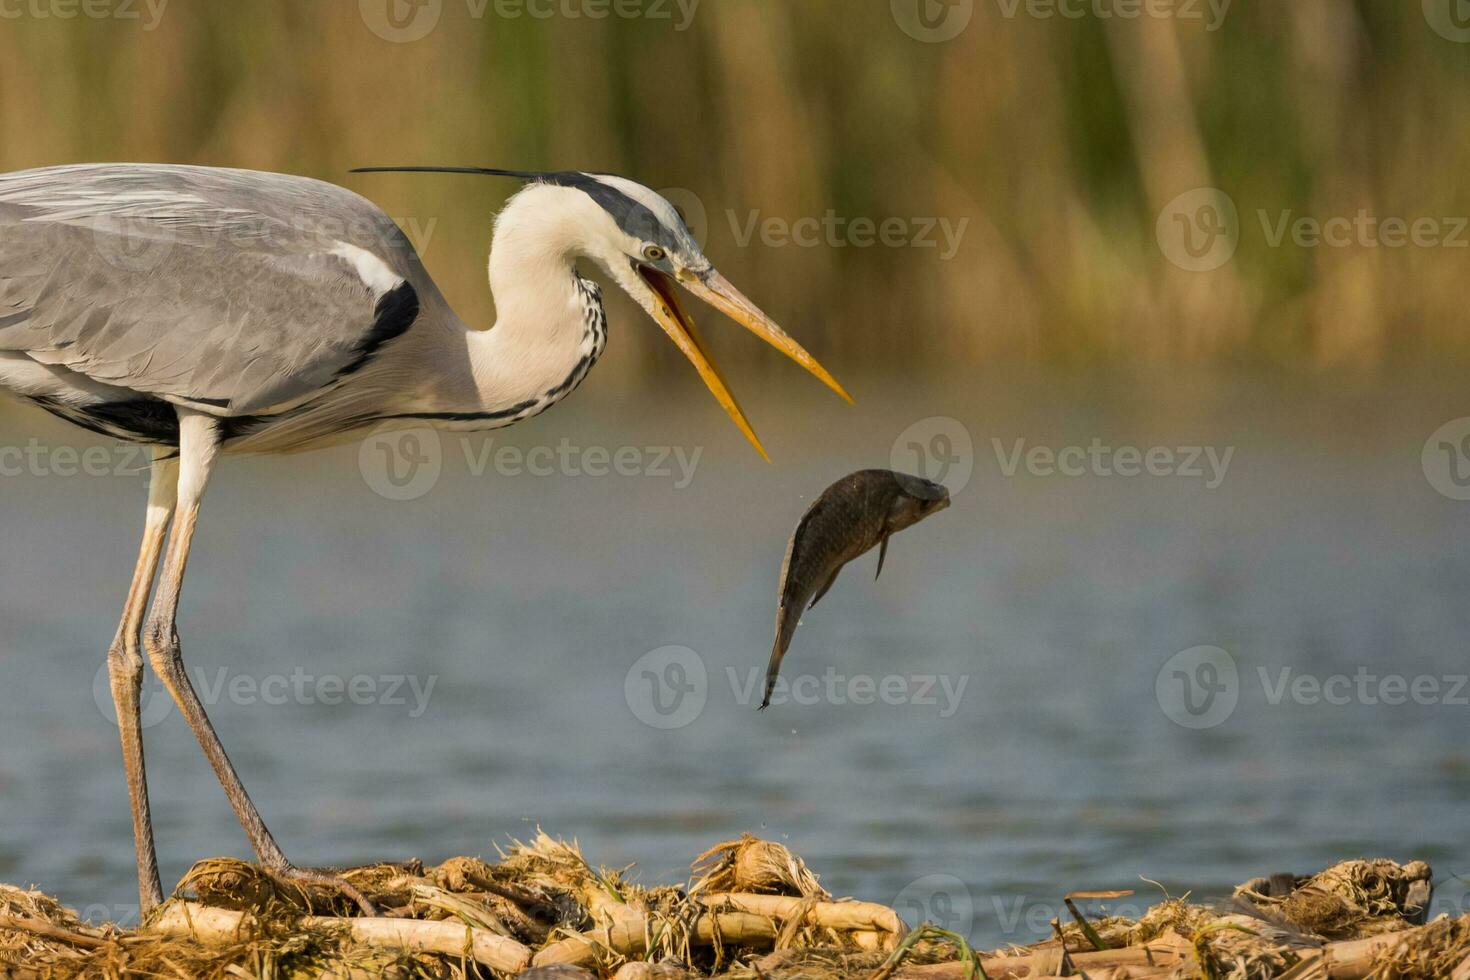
x: 373, y: 271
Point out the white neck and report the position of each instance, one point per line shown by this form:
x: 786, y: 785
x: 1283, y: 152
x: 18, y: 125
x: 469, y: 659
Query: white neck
x: 543, y: 341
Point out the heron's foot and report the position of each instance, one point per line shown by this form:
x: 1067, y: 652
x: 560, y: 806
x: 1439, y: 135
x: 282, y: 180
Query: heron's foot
x: 306, y: 879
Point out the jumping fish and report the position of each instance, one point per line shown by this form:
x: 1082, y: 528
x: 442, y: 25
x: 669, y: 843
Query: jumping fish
x: 859, y: 511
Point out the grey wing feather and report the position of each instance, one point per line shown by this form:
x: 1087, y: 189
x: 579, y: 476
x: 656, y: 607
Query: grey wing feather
x: 229, y: 290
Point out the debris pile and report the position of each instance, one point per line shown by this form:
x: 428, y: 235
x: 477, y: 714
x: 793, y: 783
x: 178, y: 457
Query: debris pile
x: 751, y: 910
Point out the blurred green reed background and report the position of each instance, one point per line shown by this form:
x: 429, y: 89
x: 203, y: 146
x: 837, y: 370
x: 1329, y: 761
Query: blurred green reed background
x: 1052, y: 144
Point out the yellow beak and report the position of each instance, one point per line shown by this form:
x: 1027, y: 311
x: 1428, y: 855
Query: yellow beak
x: 718, y: 292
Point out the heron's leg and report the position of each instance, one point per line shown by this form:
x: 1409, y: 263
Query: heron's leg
x: 125, y: 672
x: 199, y: 446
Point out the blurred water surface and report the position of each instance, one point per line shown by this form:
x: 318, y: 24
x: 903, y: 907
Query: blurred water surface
x: 525, y: 602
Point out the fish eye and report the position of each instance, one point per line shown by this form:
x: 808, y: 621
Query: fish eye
x: 653, y: 253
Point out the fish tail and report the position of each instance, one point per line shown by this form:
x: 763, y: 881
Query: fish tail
x: 772, y: 669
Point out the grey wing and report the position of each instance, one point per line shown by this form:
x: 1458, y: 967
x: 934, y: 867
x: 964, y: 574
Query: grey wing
x: 231, y: 291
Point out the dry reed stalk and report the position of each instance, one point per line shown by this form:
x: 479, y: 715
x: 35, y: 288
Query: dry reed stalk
x: 215, y: 926
x: 630, y: 939
x: 471, y: 913
x: 1153, y: 959
x: 848, y: 916
x: 47, y: 930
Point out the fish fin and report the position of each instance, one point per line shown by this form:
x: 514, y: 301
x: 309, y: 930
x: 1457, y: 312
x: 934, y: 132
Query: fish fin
x: 882, y: 554
x: 825, y: 586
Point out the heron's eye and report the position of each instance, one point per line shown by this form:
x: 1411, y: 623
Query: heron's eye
x: 653, y: 253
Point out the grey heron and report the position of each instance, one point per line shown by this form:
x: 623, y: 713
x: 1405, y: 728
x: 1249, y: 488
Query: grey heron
x: 206, y: 312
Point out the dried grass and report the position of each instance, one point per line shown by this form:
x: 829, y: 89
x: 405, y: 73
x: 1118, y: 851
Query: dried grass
x: 752, y: 911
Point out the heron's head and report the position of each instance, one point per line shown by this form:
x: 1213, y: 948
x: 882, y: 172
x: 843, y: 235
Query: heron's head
x: 644, y: 245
